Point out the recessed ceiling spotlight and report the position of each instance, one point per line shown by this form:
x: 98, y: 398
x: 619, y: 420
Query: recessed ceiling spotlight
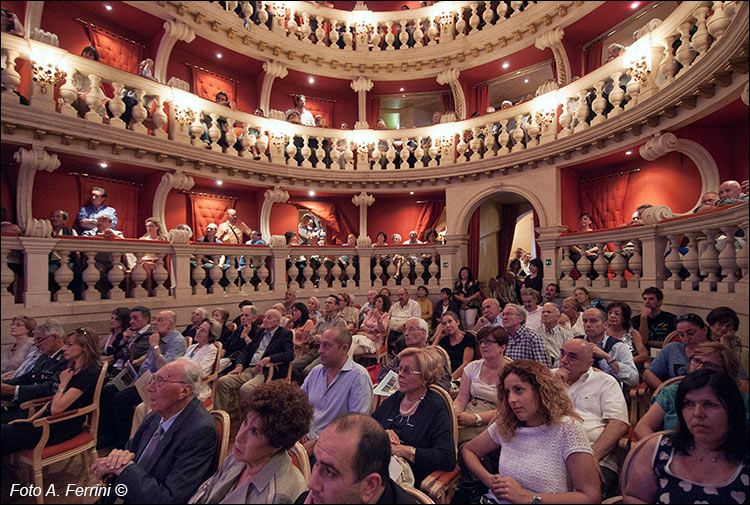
x: 518, y: 73
x: 311, y: 193
x: 310, y: 80
x: 506, y: 64
x: 401, y: 89
x: 628, y: 153
x: 108, y: 7
x: 103, y: 165
x: 526, y: 80
x: 635, y: 5
x: 411, y: 192
x: 403, y: 96
x: 219, y: 182
x: 218, y: 55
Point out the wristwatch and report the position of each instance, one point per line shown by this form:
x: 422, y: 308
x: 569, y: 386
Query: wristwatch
x: 479, y: 420
x: 609, y: 361
x: 536, y: 499
x: 155, y: 347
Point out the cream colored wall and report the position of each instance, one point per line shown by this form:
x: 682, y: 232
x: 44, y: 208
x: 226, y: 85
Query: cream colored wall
x: 524, y: 231
x: 489, y: 225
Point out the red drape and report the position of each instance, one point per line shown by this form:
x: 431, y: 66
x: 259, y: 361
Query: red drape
x: 121, y: 196
x: 208, y: 209
x: 447, y: 102
x: 207, y: 84
x: 604, y: 199
x: 508, y: 217
x: 336, y: 223
x: 429, y: 216
x: 473, y: 260
x: 320, y: 106
x: 594, y: 57
x: 482, y: 98
x: 372, y: 118
x: 115, y: 50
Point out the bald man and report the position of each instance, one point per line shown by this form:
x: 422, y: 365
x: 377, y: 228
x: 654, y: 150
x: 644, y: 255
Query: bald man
x: 731, y: 192
x: 231, y: 231
x: 598, y: 399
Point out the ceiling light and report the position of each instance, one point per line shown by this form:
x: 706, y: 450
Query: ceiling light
x: 635, y: 5
x: 218, y: 55
x: 108, y: 7
x: 526, y: 80
x: 103, y: 165
x: 518, y: 73
x: 401, y: 89
x: 411, y: 192
x: 628, y: 153
x: 506, y: 64
x: 311, y: 193
x: 219, y: 182
x: 310, y: 80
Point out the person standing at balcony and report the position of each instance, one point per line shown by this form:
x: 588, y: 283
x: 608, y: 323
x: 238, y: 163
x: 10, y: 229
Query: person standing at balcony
x: 708, y: 201
x: 89, y: 213
x: 305, y: 116
x: 309, y: 230
x: 731, y: 192
x: 653, y: 321
x: 466, y: 292
x: 231, y: 231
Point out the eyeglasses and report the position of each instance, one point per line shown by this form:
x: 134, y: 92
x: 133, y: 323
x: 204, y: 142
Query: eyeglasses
x: 407, y: 371
x: 487, y: 341
x: 38, y: 340
x: 155, y: 379
x: 699, y: 363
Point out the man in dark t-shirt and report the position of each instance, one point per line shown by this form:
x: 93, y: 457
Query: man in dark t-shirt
x: 654, y: 323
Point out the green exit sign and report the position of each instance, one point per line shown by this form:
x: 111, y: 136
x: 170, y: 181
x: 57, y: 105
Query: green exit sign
x: 548, y: 262
x: 445, y: 264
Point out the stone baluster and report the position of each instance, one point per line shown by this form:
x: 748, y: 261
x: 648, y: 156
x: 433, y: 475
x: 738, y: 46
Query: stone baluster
x: 231, y: 275
x: 94, y: 100
x: 432, y: 32
x: 461, y: 149
x: 668, y: 66
x: 306, y: 152
x: 335, y: 155
x: 292, y: 273
x: 215, y: 275
x: 322, y: 274
x: 117, y: 107
x: 320, y: 32
x: 673, y: 263
x: 247, y: 275
x: 291, y: 151
x: 305, y: 30
x: 685, y: 53
x: 701, y: 37
x: 489, y: 139
x: 419, y: 270
x: 231, y: 138
x: 434, y: 151
x: 419, y: 154
x: 460, y: 23
x: 403, y: 272
x: 138, y: 276
x: 582, y: 113
x: 159, y: 276
x: 434, y: 269
x: 9, y: 77
x: 601, y: 266
x: 391, y: 270
x: 68, y: 95
x: 742, y: 262
x: 90, y: 276
x: 474, y: 19
x: 404, y: 154
x: 214, y: 132
x: 618, y: 264
x: 599, y: 104
x: 377, y: 272
x: 262, y: 145
x: 504, y: 137
x: 64, y: 276
x: 709, y: 261
x: 262, y: 274
x: 348, y: 38
x: 533, y: 131
x: 198, y: 275
x: 390, y: 38
x: 475, y: 144
x: 263, y: 16
x: 566, y: 118
x: 517, y: 134
x: 516, y: 6
x: 616, y: 96
x: 403, y: 35
x: 584, y: 267
x: 306, y: 272
x: 335, y: 273
x: 718, y: 22
x: 349, y: 157
x: 320, y: 153
x: 333, y: 35
x: 350, y: 273
x: 634, y: 89
x: 247, y: 141
x: 375, y: 38
x: 159, y: 118
x: 488, y: 13
x: 690, y: 260
x: 292, y: 28
x: 418, y: 33
x: 501, y: 9
x: 115, y: 276
x: 390, y: 155
x: 138, y: 113
x: 636, y: 265
x: 566, y: 268
x: 727, y: 260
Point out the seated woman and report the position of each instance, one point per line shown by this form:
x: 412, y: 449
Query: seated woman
x: 704, y: 459
x: 446, y: 304
x: 300, y: 323
x: 259, y: 469
x: 536, y: 273
x: 425, y: 304
x: 76, y: 390
x: 13, y: 355
x: 475, y: 403
x: 119, y: 321
x: 458, y: 344
x: 662, y: 414
x: 148, y: 261
x: 417, y: 420
x: 374, y: 328
x: 724, y: 324
x: 506, y: 289
x: 349, y: 312
x: 618, y: 326
x: 585, y: 300
x: 571, y: 319
x: 546, y: 456
x: 203, y: 351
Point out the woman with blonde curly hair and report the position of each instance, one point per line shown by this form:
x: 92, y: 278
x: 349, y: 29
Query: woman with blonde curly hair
x: 546, y: 456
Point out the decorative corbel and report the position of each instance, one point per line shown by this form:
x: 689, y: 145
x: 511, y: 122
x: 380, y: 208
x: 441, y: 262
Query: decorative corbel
x: 553, y: 40
x: 450, y: 77
x: 173, y: 31
x: 271, y: 196
x: 169, y: 182
x: 273, y: 69
x: 29, y: 162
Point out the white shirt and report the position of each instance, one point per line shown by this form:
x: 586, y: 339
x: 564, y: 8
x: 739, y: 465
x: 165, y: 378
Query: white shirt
x: 534, y: 319
x: 400, y: 314
x: 554, y: 340
x: 597, y: 398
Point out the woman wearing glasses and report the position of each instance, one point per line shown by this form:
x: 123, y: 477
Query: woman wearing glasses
x: 709, y: 356
x: 416, y: 419
x: 475, y: 403
x: 76, y: 390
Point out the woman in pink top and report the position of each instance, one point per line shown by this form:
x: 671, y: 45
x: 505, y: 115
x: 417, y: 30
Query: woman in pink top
x: 373, y: 329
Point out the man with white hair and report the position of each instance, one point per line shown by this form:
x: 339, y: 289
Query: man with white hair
x: 490, y: 314
x: 553, y: 334
x: 731, y: 192
x: 196, y: 318
x: 413, y: 238
x: 173, y: 451
x: 523, y: 342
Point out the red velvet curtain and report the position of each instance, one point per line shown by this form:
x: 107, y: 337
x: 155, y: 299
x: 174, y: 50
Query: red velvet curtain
x: 336, y: 223
x: 482, y: 98
x: 594, y: 57
x: 604, y: 199
x: 372, y: 118
x: 321, y: 106
x: 207, y: 84
x: 121, y: 196
x: 447, y: 102
x: 429, y: 216
x: 473, y: 259
x: 114, y: 50
x: 508, y: 217
x: 208, y: 209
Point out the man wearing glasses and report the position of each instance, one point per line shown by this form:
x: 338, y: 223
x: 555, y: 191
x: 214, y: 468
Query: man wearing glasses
x: 174, y: 450
x: 44, y: 376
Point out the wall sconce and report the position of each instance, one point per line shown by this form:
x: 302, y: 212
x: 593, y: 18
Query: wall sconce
x: 638, y: 64
x: 546, y: 109
x: 362, y: 21
x: 279, y: 9
x: 45, y: 69
x: 445, y: 13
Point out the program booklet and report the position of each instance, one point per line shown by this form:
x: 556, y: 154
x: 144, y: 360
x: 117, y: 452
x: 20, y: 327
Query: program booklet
x: 388, y: 385
x: 126, y: 377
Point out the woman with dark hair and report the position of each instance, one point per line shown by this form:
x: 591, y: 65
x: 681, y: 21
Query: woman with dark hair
x: 425, y: 304
x: 546, y: 456
x: 374, y: 328
x: 586, y: 300
x: 618, y: 326
x: 468, y: 295
x: 259, y: 469
x: 458, y: 344
x: 300, y: 323
x: 119, y: 321
x: 591, y: 251
x: 723, y: 323
x: 446, y: 304
x: 705, y: 459
x: 514, y: 267
x: 76, y: 390
x: 430, y: 236
x: 534, y: 279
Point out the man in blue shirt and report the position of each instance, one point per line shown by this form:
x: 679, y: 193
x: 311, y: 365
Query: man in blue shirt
x: 88, y: 214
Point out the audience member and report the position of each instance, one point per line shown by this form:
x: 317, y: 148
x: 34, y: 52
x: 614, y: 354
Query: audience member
x: 546, y: 456
x: 705, y: 457
x: 232, y: 232
x: 598, y: 399
x: 203, y: 352
x: 466, y: 292
x: 570, y: 319
x: 400, y: 312
x: 523, y: 342
x: 723, y: 323
x: 313, y: 308
x: 477, y: 396
x: 507, y: 288
x: 230, y: 340
x: 731, y: 192
x: 536, y: 273
x: 446, y: 304
x: 552, y: 295
x: 352, y: 460
x: 103, y: 229
x: 653, y: 321
x: 707, y: 356
x: 134, y: 343
x: 425, y: 304
x: 75, y: 391
x: 221, y: 98
x: 87, y: 216
x: 259, y: 468
x: 490, y: 314
x: 550, y: 330
x: 57, y: 219
x: 303, y: 365
x: 368, y: 305
x: 610, y: 354
x: 591, y: 250
x: 301, y: 325
x: 309, y: 230
x: 458, y: 344
x: 618, y: 326
x: 119, y: 321
x: 530, y: 299
x: 708, y: 201
x: 613, y: 51
x: 416, y: 418
x: 196, y: 318
x: 256, y: 238
x: 348, y: 311
x: 306, y: 117
x: 21, y: 329
x: 11, y: 24
x: 290, y: 297
x: 337, y: 385
x: 585, y: 300
x: 374, y: 328
x: 525, y: 263
x: 174, y: 450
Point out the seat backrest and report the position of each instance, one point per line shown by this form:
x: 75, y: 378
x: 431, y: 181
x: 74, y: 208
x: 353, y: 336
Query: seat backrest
x: 445, y: 356
x: 419, y: 495
x: 300, y: 459
x: 213, y: 378
x: 673, y: 337
x: 628, y: 464
x: 97, y: 394
x: 188, y: 341
x: 673, y: 380
x: 449, y: 402
x: 222, y: 432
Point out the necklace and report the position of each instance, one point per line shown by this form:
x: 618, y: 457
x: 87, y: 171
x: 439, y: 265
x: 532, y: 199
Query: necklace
x: 700, y: 458
x: 407, y: 412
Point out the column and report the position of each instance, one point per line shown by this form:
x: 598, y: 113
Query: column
x: 363, y: 200
x: 271, y: 196
x: 36, y: 252
x: 362, y: 85
x: 450, y: 77
x: 273, y: 69
x: 168, y: 182
x: 173, y: 31
x: 29, y: 162
x: 553, y: 40
x: 550, y: 258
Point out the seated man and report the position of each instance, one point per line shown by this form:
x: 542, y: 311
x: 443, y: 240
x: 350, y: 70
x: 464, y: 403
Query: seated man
x: 43, y: 378
x: 653, y: 321
x: 135, y: 340
x: 598, y: 399
x: 400, y: 312
x: 196, y: 318
x: 731, y: 192
x: 351, y: 465
x: 337, y: 386
x: 490, y: 314
x: 550, y: 330
x: 708, y: 201
x: 173, y: 451
x: 302, y: 366
x: 610, y: 354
